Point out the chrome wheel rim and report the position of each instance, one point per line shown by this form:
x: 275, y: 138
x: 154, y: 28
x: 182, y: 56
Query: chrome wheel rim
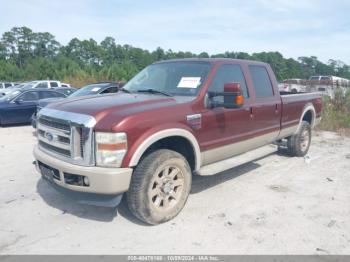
x: 304, y: 140
x: 166, y: 188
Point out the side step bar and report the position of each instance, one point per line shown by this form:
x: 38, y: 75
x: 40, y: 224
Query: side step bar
x: 232, y: 162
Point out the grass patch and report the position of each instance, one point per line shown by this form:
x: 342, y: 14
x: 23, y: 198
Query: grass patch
x: 336, y: 113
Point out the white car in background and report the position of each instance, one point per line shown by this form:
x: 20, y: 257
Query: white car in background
x: 6, y: 84
x: 45, y: 84
x: 293, y: 85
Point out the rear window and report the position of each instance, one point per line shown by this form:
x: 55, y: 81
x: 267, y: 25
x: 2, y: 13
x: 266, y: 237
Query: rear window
x: 261, y: 81
x: 42, y: 85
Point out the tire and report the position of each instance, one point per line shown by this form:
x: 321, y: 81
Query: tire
x: 299, y: 143
x: 160, y: 186
x: 294, y: 91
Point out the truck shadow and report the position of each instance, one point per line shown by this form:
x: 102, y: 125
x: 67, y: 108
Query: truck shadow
x: 106, y: 214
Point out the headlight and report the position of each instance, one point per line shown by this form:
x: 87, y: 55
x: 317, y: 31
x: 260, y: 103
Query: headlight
x: 110, y: 148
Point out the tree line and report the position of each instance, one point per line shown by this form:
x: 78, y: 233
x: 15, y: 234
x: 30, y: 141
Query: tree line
x: 26, y: 55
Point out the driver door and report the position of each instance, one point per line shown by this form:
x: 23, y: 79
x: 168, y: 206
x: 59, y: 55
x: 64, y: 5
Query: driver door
x: 22, y: 108
x: 224, y: 129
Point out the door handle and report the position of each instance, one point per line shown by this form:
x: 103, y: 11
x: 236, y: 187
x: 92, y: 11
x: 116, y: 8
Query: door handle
x: 251, y: 113
x: 276, y: 108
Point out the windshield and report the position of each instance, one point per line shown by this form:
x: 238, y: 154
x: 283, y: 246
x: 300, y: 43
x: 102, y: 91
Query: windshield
x: 175, y: 78
x: 10, y: 95
x: 92, y: 89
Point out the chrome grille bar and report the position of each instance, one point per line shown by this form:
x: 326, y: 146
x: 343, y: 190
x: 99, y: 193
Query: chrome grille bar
x: 65, y: 135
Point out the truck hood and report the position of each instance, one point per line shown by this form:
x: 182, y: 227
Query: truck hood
x: 122, y: 104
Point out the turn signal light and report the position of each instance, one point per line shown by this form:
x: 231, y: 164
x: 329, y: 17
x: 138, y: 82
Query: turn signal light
x: 239, y: 100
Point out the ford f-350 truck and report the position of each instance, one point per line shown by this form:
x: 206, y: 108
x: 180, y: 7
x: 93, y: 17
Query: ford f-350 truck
x: 173, y: 120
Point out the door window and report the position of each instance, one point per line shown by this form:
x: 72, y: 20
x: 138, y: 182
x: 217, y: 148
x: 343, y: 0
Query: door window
x: 48, y: 94
x: 229, y: 73
x: 29, y: 96
x: 53, y: 84
x: 112, y: 89
x: 261, y: 81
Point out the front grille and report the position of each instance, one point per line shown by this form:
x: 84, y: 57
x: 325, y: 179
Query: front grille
x: 63, y: 139
x: 67, y: 136
x: 54, y: 123
x: 58, y: 150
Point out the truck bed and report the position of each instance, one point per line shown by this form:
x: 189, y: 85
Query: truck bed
x: 293, y: 106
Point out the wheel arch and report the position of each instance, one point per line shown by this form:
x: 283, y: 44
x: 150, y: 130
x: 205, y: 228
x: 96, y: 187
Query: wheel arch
x: 163, y: 135
x: 308, y: 115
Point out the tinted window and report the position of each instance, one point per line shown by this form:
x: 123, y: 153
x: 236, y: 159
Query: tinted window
x: 48, y: 94
x: 228, y: 74
x: 112, y: 89
x: 29, y: 96
x: 261, y: 81
x: 8, y: 85
x: 53, y: 84
x: 42, y: 85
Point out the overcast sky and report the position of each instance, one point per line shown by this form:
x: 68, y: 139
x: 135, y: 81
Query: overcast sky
x: 294, y: 28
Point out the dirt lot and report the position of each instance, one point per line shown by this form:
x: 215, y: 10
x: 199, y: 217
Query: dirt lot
x: 276, y: 205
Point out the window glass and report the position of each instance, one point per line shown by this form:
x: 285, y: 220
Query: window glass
x: 183, y: 78
x: 8, y: 85
x: 42, y: 85
x: 53, y: 84
x: 48, y: 94
x: 261, y: 81
x: 29, y: 96
x: 112, y: 89
x: 229, y: 73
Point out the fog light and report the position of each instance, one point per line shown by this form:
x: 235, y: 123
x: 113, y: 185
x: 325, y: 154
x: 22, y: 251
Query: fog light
x: 86, y: 181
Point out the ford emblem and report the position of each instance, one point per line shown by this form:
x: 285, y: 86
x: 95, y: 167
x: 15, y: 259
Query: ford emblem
x: 49, y: 136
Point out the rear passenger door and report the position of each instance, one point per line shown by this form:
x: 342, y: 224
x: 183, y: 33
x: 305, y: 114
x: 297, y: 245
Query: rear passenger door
x: 266, y: 109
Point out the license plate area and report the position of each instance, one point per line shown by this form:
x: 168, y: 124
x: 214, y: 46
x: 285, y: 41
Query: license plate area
x: 48, y: 172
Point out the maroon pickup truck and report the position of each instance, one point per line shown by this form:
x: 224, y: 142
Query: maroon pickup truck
x: 174, y: 119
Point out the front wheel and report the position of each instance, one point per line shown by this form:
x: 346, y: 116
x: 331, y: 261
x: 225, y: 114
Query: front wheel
x: 299, y: 143
x: 160, y: 185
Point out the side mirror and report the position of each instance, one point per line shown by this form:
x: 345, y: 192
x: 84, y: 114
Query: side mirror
x: 19, y: 101
x: 233, y: 96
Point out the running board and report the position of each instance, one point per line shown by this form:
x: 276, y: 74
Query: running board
x: 238, y: 160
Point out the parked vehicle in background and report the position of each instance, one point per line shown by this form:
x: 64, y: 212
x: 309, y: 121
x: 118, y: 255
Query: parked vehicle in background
x: 92, y: 89
x: 4, y: 85
x: 44, y: 84
x: 328, y: 85
x: 174, y: 119
x: 294, y: 85
x: 18, y: 105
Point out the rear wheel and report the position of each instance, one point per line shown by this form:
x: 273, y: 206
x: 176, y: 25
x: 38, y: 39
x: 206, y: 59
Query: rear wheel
x: 299, y: 143
x: 159, y: 186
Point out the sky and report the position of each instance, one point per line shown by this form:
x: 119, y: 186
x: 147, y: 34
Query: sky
x: 292, y: 27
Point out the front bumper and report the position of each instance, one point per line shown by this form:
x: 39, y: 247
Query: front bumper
x: 102, y: 181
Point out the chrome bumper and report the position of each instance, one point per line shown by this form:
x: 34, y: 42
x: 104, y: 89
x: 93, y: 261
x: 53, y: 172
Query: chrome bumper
x: 107, y: 181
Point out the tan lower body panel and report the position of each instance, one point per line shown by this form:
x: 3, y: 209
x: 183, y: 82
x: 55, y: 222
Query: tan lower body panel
x: 224, y: 152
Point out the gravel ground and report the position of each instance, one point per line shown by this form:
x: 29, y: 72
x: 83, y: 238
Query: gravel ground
x: 275, y: 205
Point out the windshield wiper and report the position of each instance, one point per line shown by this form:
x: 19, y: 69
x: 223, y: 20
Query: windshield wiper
x: 153, y: 91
